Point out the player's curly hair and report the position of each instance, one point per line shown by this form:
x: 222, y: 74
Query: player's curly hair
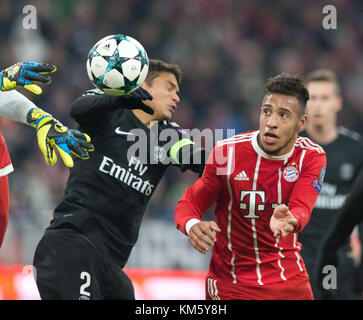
x: 291, y: 85
x: 157, y: 66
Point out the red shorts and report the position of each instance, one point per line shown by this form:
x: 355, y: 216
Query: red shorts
x: 295, y: 288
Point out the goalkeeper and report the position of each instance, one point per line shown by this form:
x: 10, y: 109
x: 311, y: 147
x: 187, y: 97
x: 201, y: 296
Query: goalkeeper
x: 51, y: 133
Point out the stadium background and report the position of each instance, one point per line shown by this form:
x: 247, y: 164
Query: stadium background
x: 226, y: 49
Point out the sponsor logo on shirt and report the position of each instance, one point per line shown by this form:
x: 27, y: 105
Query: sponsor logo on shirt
x: 130, y: 176
x: 330, y: 198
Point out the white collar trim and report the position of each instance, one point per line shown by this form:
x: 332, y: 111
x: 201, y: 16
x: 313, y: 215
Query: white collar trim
x: 263, y: 154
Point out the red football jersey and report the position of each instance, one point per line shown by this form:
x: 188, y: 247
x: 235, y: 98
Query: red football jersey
x: 247, y: 184
x: 5, y: 162
x: 5, y: 168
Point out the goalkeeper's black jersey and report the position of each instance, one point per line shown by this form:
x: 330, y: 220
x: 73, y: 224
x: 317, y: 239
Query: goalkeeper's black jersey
x: 106, y: 195
x: 344, y: 160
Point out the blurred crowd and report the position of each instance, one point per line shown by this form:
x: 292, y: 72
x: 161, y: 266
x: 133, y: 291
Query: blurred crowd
x: 226, y: 49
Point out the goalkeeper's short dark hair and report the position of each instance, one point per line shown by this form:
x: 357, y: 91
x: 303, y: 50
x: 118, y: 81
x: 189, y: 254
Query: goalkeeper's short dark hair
x: 157, y: 66
x: 324, y: 75
x: 290, y: 85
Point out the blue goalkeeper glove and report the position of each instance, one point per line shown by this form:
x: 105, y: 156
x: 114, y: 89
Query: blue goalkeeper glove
x: 52, y: 134
x: 26, y: 74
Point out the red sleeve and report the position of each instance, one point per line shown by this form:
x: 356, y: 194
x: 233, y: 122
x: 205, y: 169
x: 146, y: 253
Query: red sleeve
x: 307, y: 188
x: 5, y: 162
x: 201, y: 195
x: 4, y: 206
x: 5, y: 168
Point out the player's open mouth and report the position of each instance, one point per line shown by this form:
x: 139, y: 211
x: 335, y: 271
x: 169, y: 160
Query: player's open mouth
x: 270, y: 138
x: 172, y: 107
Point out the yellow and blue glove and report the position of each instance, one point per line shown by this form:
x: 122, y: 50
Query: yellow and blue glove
x: 52, y: 134
x: 26, y: 74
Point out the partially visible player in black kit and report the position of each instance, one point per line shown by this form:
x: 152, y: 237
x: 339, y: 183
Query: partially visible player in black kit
x: 96, y: 225
x: 339, y: 232
x: 344, y: 151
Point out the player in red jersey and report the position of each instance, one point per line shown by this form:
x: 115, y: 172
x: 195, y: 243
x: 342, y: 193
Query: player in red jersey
x: 5, y: 168
x: 265, y: 184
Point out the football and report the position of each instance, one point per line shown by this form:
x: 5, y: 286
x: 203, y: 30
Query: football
x: 117, y: 64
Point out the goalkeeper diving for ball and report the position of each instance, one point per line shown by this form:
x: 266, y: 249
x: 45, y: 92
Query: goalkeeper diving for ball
x: 50, y: 132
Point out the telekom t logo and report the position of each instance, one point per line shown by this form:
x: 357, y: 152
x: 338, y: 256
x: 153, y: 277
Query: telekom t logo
x: 252, y: 203
x: 252, y: 210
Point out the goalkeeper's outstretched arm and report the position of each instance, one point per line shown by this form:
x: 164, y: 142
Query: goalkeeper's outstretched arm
x: 27, y: 75
x: 17, y: 107
x: 94, y: 104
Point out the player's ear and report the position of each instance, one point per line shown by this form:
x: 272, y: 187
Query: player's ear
x: 339, y: 104
x: 302, y: 122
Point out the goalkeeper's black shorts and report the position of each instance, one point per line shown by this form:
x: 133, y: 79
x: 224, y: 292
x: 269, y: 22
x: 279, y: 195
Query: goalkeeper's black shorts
x: 69, y: 267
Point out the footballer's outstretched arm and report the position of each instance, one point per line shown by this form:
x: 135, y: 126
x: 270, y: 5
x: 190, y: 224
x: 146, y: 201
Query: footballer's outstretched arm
x: 27, y: 75
x: 15, y: 106
x: 193, y: 204
x: 94, y: 103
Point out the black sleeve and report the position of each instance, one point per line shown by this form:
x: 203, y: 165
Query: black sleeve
x: 184, y: 152
x: 192, y: 157
x: 92, y: 106
x: 350, y: 216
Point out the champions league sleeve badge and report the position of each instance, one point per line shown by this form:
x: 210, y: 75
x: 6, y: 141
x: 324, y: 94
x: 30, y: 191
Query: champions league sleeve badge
x: 316, y: 184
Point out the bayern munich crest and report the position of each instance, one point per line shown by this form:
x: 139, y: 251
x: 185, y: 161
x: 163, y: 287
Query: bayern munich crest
x: 291, y: 174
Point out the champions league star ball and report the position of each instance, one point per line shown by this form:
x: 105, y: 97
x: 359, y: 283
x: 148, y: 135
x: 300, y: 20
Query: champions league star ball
x: 117, y: 64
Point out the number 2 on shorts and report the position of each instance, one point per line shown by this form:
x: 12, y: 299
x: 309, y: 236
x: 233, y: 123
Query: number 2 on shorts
x: 85, y: 276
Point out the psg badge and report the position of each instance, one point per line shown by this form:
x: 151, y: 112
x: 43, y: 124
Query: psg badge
x: 291, y: 173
